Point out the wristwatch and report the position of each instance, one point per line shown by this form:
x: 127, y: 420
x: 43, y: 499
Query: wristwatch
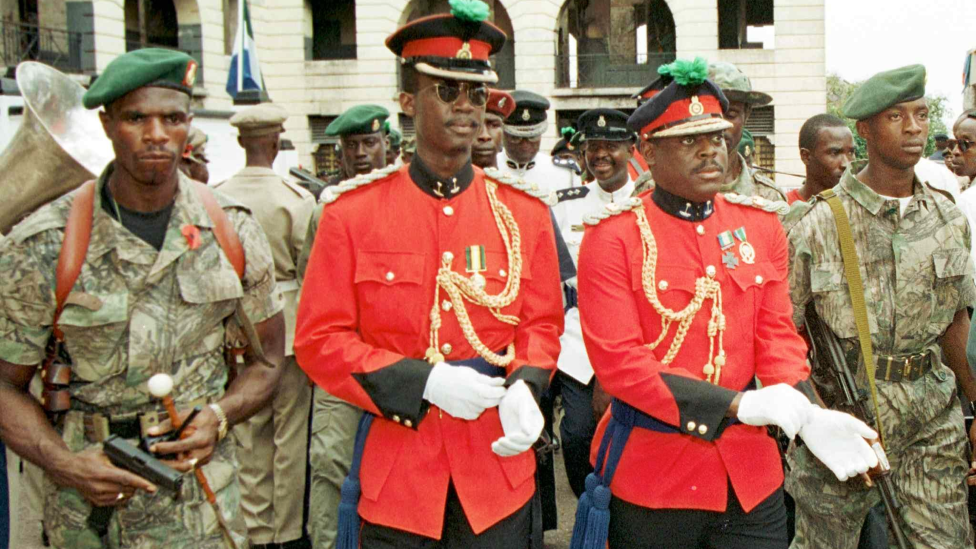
x: 222, y: 418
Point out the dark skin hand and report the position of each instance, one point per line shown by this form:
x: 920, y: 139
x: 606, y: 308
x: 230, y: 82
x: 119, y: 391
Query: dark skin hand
x: 895, y: 140
x: 953, y: 344
x: 601, y: 401
x: 825, y: 164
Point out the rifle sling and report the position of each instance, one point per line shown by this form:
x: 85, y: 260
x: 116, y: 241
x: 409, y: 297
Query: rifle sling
x: 855, y: 286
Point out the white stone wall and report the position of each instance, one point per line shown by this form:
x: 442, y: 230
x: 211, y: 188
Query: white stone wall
x: 794, y: 73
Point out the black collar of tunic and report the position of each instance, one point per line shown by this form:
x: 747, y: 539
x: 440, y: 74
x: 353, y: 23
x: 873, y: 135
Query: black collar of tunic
x: 682, y: 208
x: 436, y: 186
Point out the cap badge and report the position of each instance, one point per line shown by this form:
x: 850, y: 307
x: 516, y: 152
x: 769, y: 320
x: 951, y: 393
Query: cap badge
x: 602, y: 122
x: 464, y: 52
x: 696, y: 108
x: 376, y: 124
x: 501, y: 103
x: 525, y: 115
x: 191, y: 74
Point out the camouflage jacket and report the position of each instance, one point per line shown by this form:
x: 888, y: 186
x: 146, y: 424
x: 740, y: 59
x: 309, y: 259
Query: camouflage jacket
x: 753, y: 183
x: 916, y: 268
x: 133, y: 312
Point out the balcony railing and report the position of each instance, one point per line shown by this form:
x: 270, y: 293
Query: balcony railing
x: 601, y: 70
x: 24, y: 42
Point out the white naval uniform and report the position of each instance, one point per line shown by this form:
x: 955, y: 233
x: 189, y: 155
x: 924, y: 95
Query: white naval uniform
x: 569, y: 211
x: 541, y: 171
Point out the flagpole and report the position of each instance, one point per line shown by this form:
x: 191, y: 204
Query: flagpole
x: 241, y: 30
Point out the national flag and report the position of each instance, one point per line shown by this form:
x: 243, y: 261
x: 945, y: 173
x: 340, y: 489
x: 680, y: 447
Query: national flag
x: 245, y: 72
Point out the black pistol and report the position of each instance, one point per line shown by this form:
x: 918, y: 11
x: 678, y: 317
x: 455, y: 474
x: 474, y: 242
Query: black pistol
x: 128, y: 457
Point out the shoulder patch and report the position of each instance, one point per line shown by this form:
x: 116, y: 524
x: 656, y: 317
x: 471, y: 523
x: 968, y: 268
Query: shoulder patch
x: 572, y: 193
x: 53, y: 215
x: 611, y: 210
x: 332, y: 193
x: 531, y: 189
x: 779, y: 207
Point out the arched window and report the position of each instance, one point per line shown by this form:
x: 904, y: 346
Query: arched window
x: 603, y: 43
x: 503, y: 62
x: 150, y: 23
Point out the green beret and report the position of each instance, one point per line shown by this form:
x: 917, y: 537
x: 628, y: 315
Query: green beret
x: 259, y: 120
x: 146, y: 67
x: 735, y: 84
x: 395, y: 137
x: 358, y: 120
x: 747, y: 145
x: 884, y: 90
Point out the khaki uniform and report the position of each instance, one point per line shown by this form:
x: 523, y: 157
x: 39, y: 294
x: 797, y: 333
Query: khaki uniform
x: 330, y: 448
x: 136, y: 312
x: 917, y: 275
x: 273, y: 442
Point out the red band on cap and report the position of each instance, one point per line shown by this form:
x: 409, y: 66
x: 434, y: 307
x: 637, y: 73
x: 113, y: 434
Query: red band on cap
x: 679, y: 110
x: 446, y: 46
x: 649, y: 94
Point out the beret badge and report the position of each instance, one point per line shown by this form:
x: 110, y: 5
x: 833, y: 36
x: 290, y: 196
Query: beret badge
x: 696, y: 108
x: 191, y: 74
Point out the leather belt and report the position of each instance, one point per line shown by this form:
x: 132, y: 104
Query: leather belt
x: 98, y: 427
x: 903, y: 367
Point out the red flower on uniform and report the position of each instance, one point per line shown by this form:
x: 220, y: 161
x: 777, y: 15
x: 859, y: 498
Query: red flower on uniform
x: 192, y: 235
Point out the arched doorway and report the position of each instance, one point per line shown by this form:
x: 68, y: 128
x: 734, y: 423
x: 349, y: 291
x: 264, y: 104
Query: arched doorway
x: 173, y: 24
x: 613, y: 43
x: 504, y: 61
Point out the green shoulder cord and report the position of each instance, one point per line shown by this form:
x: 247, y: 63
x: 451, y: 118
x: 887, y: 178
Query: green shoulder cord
x: 855, y: 287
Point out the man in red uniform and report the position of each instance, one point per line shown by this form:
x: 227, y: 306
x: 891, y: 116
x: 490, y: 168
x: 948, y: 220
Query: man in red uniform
x: 442, y: 314
x: 678, y: 334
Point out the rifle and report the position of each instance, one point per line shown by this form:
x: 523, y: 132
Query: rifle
x: 828, y: 353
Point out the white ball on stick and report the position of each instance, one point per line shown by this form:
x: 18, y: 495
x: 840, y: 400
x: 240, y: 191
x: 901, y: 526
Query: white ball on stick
x: 160, y: 385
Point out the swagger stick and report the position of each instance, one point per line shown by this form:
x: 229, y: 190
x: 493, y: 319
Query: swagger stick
x: 161, y: 387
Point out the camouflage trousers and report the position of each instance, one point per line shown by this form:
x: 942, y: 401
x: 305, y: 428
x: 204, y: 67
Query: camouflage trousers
x: 148, y: 521
x: 929, y: 454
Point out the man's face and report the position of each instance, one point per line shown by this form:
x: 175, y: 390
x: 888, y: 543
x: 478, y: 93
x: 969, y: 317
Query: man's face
x: 832, y: 154
x: 445, y: 127
x: 965, y: 162
x: 391, y: 154
x: 363, y: 153
x: 737, y: 114
x: 941, y: 144
x: 896, y: 136
x: 489, y: 143
x: 148, y: 129
x: 692, y: 166
x: 522, y: 149
x: 607, y: 159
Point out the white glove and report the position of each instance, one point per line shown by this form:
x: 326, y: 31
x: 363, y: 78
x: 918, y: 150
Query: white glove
x: 779, y: 405
x: 837, y: 440
x: 461, y: 391
x: 522, y: 421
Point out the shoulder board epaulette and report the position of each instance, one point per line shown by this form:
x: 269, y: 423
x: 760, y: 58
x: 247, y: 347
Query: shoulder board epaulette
x: 779, y: 207
x: 302, y: 192
x: 572, y: 193
x: 799, y: 210
x: 943, y: 192
x: 764, y: 180
x: 611, y: 210
x: 531, y: 189
x: 332, y: 193
x: 227, y: 201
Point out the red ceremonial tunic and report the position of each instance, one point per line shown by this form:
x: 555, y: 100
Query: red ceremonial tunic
x: 363, y: 328
x: 690, y: 469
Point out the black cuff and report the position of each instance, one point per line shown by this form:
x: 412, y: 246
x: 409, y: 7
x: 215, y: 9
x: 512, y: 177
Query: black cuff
x: 808, y: 391
x: 398, y: 390
x: 536, y: 378
x: 701, y: 405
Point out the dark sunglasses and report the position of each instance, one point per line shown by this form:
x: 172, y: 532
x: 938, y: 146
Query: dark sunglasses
x: 964, y: 144
x: 449, y: 92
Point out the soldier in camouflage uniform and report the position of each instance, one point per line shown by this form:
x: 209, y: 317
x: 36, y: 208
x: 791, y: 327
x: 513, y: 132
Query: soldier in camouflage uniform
x: 913, y: 246
x: 153, y: 296
x: 742, y: 99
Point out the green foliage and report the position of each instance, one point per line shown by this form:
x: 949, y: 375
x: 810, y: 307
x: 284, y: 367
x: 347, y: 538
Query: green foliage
x: 686, y: 73
x: 474, y: 11
x: 838, y: 90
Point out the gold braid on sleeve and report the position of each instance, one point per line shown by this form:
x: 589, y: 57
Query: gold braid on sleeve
x: 706, y: 287
x: 461, y: 289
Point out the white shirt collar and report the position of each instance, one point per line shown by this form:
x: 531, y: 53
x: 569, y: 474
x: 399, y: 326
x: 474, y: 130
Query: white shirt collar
x: 618, y: 196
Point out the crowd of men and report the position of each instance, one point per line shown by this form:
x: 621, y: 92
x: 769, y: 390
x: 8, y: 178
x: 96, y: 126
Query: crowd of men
x: 385, y: 351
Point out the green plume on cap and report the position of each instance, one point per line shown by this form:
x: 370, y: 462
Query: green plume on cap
x: 474, y: 11
x: 567, y: 132
x: 686, y: 73
x: 386, y: 127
